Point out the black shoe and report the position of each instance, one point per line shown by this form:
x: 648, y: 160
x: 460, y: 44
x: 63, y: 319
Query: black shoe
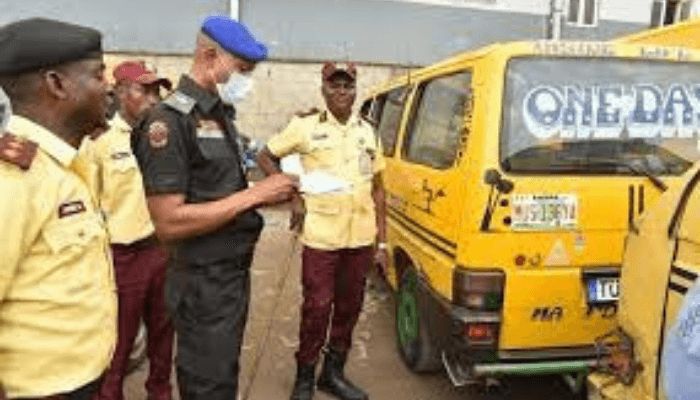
x: 333, y: 381
x: 304, y: 384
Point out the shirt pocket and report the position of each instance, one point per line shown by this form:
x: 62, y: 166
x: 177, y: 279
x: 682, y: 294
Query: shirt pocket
x: 323, y: 155
x: 78, y: 264
x: 321, y: 224
x: 73, y: 235
x: 218, y: 172
x: 125, y: 164
x: 214, y: 148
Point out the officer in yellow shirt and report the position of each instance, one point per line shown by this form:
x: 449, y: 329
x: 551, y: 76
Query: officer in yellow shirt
x: 340, y: 228
x: 139, y: 260
x: 57, y: 293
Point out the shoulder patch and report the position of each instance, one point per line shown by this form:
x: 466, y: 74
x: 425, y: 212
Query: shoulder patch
x: 17, y: 151
x: 158, y: 134
x: 307, y: 113
x: 180, y: 102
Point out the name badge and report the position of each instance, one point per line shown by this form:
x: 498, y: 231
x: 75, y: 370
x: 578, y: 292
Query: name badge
x: 366, y: 161
x: 120, y: 155
x: 209, y: 130
x: 210, y: 133
x: 71, y: 208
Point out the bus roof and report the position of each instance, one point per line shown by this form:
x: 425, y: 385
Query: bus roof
x: 685, y: 34
x: 616, y: 48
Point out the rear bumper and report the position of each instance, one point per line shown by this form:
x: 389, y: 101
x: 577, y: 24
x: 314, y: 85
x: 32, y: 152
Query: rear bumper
x: 465, y: 363
x: 463, y: 369
x: 535, y: 368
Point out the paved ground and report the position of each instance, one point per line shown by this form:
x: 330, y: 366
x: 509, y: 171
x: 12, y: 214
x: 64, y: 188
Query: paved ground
x: 271, y: 339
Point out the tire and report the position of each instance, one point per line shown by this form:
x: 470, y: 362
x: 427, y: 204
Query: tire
x: 415, y: 345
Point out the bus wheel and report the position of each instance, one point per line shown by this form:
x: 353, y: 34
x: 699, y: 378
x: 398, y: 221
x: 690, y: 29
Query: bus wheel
x: 415, y: 346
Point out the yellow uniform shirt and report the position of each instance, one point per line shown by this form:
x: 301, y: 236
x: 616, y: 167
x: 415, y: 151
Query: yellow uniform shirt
x: 119, y: 184
x: 348, y: 151
x: 58, y: 304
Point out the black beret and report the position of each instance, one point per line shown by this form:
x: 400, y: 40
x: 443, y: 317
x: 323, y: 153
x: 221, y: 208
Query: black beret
x: 36, y: 43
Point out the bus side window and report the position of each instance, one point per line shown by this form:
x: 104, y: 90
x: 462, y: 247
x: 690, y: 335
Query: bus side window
x: 437, y: 130
x: 387, y: 111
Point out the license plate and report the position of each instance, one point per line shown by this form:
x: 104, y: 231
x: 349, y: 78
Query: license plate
x: 544, y: 212
x: 603, y: 290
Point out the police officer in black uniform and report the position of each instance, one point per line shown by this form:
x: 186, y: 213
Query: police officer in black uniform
x: 202, y: 207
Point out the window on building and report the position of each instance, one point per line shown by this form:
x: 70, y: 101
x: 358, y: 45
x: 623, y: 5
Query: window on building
x: 668, y: 12
x: 386, y: 112
x: 583, y: 12
x: 438, y: 121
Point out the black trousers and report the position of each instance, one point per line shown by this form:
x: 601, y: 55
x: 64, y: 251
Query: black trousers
x: 209, y: 309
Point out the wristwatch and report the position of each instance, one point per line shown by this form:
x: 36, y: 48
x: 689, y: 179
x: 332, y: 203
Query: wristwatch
x: 382, y: 246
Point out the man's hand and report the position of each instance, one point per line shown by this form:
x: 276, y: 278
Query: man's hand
x: 275, y: 189
x: 296, y: 221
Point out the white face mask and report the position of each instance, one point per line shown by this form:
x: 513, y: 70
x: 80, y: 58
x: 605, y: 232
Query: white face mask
x: 235, y: 89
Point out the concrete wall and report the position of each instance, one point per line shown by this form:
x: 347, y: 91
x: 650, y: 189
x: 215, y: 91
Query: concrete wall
x: 281, y: 89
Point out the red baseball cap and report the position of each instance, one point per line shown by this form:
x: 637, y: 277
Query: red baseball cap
x: 137, y: 72
x: 331, y: 69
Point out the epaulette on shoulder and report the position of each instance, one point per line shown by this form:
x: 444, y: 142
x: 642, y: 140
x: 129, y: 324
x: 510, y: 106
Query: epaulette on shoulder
x: 307, y: 113
x: 17, y: 151
x: 180, y: 102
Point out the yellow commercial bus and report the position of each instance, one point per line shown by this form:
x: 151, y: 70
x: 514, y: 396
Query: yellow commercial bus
x: 513, y: 175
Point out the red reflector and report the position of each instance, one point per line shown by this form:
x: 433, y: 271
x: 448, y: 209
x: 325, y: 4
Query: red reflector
x: 480, y: 332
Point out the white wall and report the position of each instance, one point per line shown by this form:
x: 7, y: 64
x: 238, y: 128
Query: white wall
x: 638, y: 11
x: 695, y: 10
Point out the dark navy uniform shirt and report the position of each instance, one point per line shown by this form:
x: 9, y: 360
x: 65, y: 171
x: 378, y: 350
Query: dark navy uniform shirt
x: 188, y: 145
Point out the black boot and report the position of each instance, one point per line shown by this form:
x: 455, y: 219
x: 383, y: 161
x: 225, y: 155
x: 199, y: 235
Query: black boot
x: 304, y: 384
x: 333, y: 381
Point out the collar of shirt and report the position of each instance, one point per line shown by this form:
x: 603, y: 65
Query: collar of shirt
x: 119, y: 123
x: 207, y: 102
x: 331, y: 119
x: 47, y: 141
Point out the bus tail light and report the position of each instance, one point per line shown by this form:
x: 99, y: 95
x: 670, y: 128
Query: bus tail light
x: 483, y: 334
x: 478, y: 290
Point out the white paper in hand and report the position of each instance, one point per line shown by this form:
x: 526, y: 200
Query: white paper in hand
x: 319, y: 182
x: 291, y: 165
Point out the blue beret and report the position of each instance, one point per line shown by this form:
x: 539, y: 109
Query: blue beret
x: 234, y: 37
x: 35, y: 43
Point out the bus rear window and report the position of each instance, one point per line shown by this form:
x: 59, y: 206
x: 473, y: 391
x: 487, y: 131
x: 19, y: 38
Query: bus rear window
x: 600, y: 116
